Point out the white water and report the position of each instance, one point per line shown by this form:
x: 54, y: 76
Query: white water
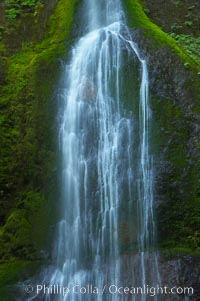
x: 107, y: 166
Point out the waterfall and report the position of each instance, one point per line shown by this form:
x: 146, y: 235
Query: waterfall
x: 107, y: 166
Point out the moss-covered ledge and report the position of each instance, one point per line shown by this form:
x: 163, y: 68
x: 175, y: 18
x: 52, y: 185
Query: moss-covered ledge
x: 28, y: 153
x: 137, y: 19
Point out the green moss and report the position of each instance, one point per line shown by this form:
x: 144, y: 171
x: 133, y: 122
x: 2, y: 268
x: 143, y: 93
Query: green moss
x: 28, y: 152
x: 178, y: 221
x: 138, y: 19
x: 190, y: 44
x: 25, y: 230
x: 1, y: 231
x: 60, y: 22
x: 10, y: 271
x: 179, y: 252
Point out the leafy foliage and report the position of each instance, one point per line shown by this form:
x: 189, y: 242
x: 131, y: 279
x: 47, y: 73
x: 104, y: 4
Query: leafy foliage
x: 138, y: 19
x: 17, y: 7
x: 190, y: 44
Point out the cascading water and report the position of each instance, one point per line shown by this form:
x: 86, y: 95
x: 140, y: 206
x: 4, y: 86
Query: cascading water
x: 107, y: 176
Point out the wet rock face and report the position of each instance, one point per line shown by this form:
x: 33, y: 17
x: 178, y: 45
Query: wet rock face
x: 174, y: 91
x: 180, y: 272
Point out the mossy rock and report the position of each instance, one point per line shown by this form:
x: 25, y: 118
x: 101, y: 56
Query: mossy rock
x: 137, y: 19
x: 28, y: 173
x: 12, y: 272
x: 174, y: 102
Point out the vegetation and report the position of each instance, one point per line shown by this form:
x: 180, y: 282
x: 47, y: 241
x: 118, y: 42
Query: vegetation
x: 27, y: 132
x: 190, y: 44
x: 138, y: 19
x: 32, y: 40
x: 16, y: 8
x: 174, y: 70
x: 180, y: 19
